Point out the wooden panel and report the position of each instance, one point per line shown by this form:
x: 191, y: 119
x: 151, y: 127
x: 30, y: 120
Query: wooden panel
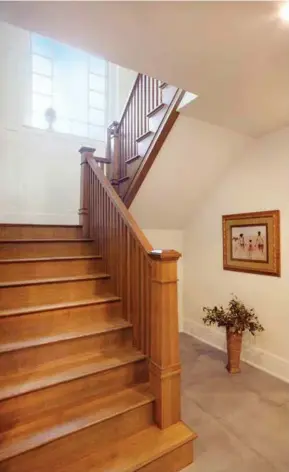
x: 10, y: 231
x: 28, y: 269
x: 66, y: 321
x: 52, y: 457
x: 45, y: 248
x: 22, y: 408
x: 30, y: 358
x: 42, y: 292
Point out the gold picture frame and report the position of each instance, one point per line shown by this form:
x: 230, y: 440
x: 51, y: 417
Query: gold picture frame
x: 251, y: 242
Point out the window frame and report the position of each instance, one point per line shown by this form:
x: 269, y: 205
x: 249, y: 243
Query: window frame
x: 88, y: 124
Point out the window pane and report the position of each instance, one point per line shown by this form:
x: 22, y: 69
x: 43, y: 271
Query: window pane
x: 41, y: 84
x: 97, y: 65
x: 78, y: 129
x: 96, y: 82
x: 96, y: 117
x: 41, y: 65
x: 38, y: 120
x: 96, y: 100
x: 40, y: 103
x: 96, y: 132
x: 62, y: 125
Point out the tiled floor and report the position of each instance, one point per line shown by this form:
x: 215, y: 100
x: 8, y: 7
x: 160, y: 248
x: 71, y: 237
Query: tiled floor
x: 242, y: 421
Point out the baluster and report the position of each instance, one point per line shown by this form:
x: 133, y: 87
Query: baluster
x: 128, y: 276
x: 165, y: 362
x: 85, y: 153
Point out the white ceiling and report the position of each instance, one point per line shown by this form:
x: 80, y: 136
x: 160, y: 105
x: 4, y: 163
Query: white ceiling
x: 234, y: 55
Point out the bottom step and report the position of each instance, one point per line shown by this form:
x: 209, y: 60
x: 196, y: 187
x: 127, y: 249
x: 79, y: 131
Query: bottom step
x: 151, y: 450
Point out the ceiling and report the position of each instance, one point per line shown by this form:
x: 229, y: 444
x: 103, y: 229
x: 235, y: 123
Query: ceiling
x: 234, y: 55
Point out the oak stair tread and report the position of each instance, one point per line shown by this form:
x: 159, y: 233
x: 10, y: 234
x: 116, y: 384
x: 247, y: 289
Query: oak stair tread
x: 156, y: 110
x: 99, y: 328
x: 144, y: 135
x: 78, y: 414
x: 72, y: 367
x: 48, y: 259
x: 50, y: 240
x: 133, y: 158
x: 105, y: 298
x: 74, y: 278
x: 134, y: 452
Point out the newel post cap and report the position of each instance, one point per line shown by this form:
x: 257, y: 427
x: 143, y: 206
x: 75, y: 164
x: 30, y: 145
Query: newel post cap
x: 85, y: 149
x: 165, y: 255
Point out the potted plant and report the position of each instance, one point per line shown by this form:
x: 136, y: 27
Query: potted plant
x: 236, y: 318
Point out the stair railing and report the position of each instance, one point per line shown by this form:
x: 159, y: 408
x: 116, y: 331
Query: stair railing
x: 129, y: 164
x: 145, y: 279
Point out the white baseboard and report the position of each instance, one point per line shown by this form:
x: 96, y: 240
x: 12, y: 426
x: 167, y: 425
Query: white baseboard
x: 252, y: 355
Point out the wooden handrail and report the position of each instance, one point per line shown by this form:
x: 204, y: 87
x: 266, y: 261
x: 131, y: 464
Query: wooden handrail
x: 145, y: 279
x: 134, y: 141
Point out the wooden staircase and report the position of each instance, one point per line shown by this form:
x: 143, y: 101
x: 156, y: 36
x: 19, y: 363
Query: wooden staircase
x: 134, y: 142
x: 89, y: 344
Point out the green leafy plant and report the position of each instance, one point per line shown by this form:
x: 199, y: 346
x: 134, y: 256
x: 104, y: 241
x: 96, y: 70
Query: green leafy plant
x: 236, y: 317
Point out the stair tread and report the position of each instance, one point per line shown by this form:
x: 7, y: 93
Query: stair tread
x: 51, y: 240
x: 99, y: 327
x: 74, y: 278
x: 48, y: 259
x: 59, y: 422
x: 133, y: 452
x: 72, y: 367
x: 105, y: 298
x: 144, y: 135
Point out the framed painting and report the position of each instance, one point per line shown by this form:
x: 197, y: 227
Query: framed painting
x: 251, y: 242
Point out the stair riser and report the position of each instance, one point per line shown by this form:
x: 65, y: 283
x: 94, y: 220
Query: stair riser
x: 45, y: 249
x: 55, y: 322
x: 13, y: 271
x: 39, y: 270
x: 143, y: 145
x: 49, y: 293
x: 55, y: 455
x: 173, y: 461
x: 39, y: 232
x: 19, y: 408
x: 38, y: 356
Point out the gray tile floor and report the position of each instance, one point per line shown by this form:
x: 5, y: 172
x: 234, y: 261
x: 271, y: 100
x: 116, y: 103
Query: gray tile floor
x: 242, y: 421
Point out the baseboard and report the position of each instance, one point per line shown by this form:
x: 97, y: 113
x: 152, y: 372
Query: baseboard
x: 252, y: 355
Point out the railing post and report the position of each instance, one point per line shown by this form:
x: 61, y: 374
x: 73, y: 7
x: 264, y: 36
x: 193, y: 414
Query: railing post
x: 165, y: 366
x: 114, y: 153
x: 85, y: 152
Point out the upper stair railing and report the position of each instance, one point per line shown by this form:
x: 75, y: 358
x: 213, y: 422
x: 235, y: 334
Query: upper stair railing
x: 145, y: 279
x: 134, y: 142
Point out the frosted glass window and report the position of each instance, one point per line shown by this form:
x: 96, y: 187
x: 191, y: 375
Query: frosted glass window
x: 41, y: 65
x: 98, y: 65
x: 96, y: 132
x: 42, y: 84
x: 71, y: 82
x: 96, y: 100
x: 40, y: 103
x: 96, y: 117
x: 96, y: 82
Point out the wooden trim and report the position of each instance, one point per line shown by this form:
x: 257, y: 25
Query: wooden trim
x: 163, y: 85
x: 129, y: 98
x: 133, y: 158
x: 102, y: 160
x: 139, y: 235
x: 143, y: 136
x: 123, y: 179
x: 154, y: 148
x: 156, y: 109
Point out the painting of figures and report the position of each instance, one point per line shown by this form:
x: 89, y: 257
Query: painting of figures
x: 249, y: 243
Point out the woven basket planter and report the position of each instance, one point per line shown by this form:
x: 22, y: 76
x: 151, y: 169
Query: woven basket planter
x: 234, y: 347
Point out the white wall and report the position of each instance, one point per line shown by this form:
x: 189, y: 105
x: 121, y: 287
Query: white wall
x: 256, y: 181
x: 191, y: 161
x: 170, y: 239
x: 40, y: 170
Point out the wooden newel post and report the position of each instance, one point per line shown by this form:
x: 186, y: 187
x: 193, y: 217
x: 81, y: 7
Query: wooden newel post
x: 165, y: 368
x: 85, y: 152
x: 114, y: 153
